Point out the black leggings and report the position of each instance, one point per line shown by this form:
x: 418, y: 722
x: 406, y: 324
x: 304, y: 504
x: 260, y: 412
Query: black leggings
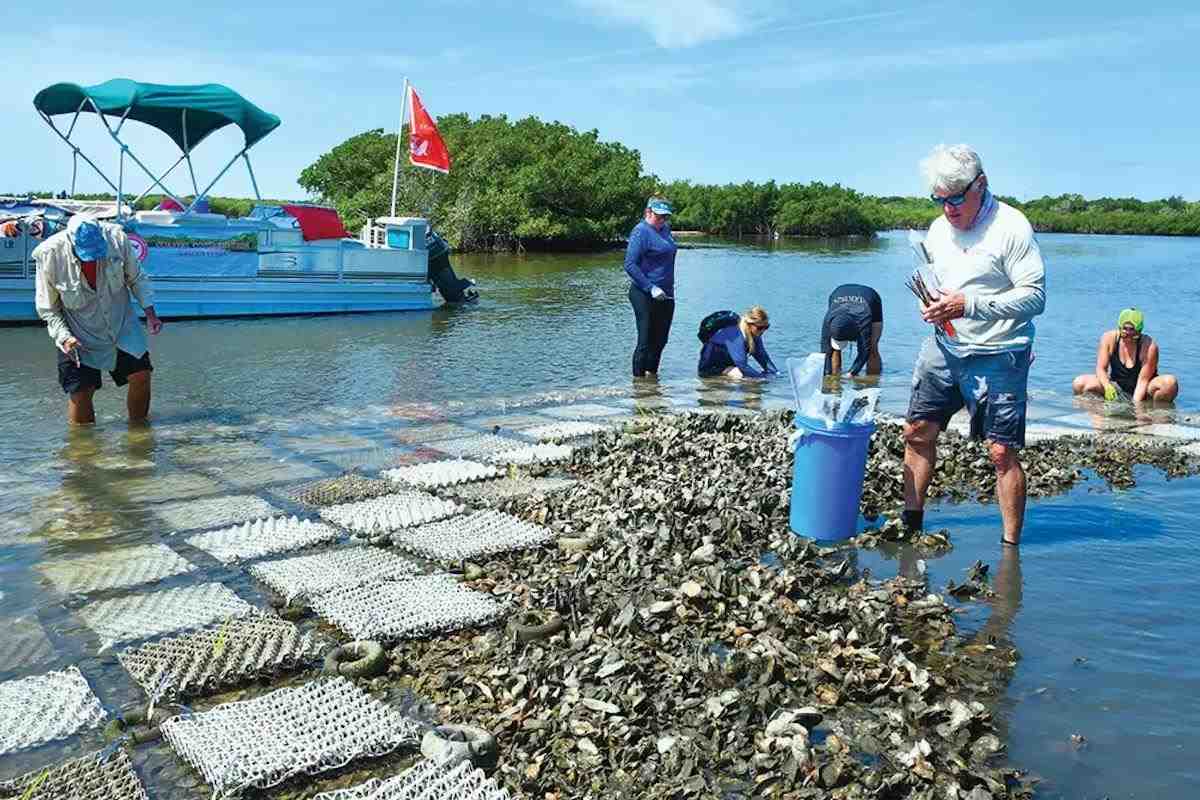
x: 653, y: 326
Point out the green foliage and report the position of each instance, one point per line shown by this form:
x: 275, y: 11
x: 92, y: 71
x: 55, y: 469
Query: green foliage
x: 512, y: 184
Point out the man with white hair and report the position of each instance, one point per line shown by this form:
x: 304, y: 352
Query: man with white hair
x: 85, y: 275
x: 991, y: 283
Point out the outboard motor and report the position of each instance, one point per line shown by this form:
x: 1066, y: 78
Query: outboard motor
x: 453, y: 288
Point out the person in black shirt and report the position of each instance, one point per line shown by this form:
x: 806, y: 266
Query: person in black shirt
x: 855, y: 316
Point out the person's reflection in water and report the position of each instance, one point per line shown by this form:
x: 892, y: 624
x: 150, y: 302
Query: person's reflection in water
x: 1008, y: 586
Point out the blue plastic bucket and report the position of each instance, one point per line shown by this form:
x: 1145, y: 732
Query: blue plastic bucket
x: 827, y: 478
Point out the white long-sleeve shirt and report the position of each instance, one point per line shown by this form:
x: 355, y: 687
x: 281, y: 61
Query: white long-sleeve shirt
x: 998, y: 267
x: 102, y: 319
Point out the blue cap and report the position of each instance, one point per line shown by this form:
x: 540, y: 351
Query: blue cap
x: 660, y: 207
x: 87, y: 238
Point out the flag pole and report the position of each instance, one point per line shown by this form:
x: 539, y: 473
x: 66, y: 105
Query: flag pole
x: 399, y: 135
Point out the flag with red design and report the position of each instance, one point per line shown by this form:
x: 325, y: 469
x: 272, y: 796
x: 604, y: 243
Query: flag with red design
x: 425, y: 145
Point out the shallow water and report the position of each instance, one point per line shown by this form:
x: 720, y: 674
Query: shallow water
x: 252, y: 407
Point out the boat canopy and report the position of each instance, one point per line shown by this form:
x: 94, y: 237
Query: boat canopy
x: 187, y: 114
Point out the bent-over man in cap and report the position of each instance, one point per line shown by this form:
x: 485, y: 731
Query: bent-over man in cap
x: 85, y: 276
x: 854, y: 318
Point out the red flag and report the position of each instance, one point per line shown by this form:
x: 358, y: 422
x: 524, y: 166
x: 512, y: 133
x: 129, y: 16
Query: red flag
x: 425, y: 145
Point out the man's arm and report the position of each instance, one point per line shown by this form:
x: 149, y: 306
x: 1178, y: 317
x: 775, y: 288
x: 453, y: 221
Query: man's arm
x: 1149, y: 370
x: 1027, y: 273
x: 139, y: 284
x: 49, y: 307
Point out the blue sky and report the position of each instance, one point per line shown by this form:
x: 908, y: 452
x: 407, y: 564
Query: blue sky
x: 1090, y: 97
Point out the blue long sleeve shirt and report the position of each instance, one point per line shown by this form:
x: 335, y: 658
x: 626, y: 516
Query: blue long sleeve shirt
x: 727, y: 348
x: 650, y: 258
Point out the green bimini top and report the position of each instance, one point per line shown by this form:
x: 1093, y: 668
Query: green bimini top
x: 187, y: 114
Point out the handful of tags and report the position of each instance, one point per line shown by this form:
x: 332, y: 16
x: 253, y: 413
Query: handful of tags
x: 916, y: 282
x: 853, y: 406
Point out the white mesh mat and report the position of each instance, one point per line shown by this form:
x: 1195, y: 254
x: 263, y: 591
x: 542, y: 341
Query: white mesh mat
x: 478, y: 447
x: 407, y: 609
x: 581, y: 411
x: 140, y: 616
x: 532, y: 453
x: 42, y: 708
x: 213, y: 512
x: 477, y: 534
x: 202, y: 661
x: 306, y: 729
x: 420, y: 434
x: 310, y: 575
x: 441, y: 473
x: 96, y: 776
x: 115, y: 569
x: 503, y: 489
x: 25, y: 645
x: 262, y: 537
x: 427, y: 780
x: 558, y: 431
x: 391, y: 512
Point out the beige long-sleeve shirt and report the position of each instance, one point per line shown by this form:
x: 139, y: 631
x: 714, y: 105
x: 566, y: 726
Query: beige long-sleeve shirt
x: 102, y: 319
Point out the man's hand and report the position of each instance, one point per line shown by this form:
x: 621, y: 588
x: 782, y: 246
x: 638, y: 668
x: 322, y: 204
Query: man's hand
x: 153, y: 323
x: 71, y: 347
x: 945, y: 308
x: 657, y: 293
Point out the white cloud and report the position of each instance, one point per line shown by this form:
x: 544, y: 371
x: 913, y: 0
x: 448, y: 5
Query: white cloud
x: 676, y: 23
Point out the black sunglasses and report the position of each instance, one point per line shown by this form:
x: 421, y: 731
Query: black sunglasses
x: 956, y: 200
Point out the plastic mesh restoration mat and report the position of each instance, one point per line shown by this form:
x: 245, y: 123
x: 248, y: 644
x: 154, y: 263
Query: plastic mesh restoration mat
x: 427, y: 780
x: 310, y: 575
x: 478, y: 447
x: 115, y: 569
x: 141, y: 616
x: 407, y: 609
x: 25, y: 644
x: 531, y: 454
x: 581, y: 411
x: 441, y: 473
x: 96, y: 776
x: 306, y: 729
x: 498, y: 491
x: 42, y: 708
x: 569, y: 429
x: 262, y: 537
x: 481, y: 533
x: 213, y: 512
x: 202, y: 661
x: 383, y: 514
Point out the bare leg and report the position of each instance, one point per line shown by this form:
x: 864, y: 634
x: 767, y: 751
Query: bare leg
x: 1087, y: 384
x: 1163, y: 389
x: 1010, y: 489
x: 80, y: 410
x: 138, y: 400
x: 874, y: 362
x: 920, y: 458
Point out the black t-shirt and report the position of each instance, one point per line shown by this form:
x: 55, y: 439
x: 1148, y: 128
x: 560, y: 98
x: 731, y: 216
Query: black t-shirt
x: 858, y: 294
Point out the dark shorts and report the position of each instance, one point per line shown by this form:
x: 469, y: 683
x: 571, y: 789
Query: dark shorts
x: 991, y: 387
x: 76, y: 379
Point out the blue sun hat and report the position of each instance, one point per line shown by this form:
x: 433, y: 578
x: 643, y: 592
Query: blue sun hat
x: 660, y: 207
x: 86, y: 238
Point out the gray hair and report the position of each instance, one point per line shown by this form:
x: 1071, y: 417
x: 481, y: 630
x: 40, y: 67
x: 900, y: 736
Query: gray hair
x: 951, y: 168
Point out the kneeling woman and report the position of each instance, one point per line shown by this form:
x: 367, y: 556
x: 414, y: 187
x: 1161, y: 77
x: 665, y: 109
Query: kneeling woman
x: 728, y: 351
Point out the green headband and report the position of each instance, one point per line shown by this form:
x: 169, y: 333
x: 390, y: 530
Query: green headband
x: 1133, y: 317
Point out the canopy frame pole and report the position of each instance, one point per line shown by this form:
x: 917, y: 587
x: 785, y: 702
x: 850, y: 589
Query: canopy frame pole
x: 187, y: 153
x: 250, y: 169
x: 78, y: 153
x: 74, y: 172
x: 399, y: 136
x: 75, y: 119
x: 126, y: 151
x: 220, y: 175
x: 159, y: 180
x: 120, y: 181
x: 124, y: 117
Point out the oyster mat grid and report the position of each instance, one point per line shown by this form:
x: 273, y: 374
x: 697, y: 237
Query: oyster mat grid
x: 435, y: 474
x: 141, y: 616
x: 390, y: 512
x: 115, y: 569
x: 353, y: 565
x: 307, y: 729
x: 262, y: 537
x: 408, y: 609
x: 43, y: 708
x: 233, y: 653
x: 481, y: 533
x: 104, y: 775
x: 425, y: 780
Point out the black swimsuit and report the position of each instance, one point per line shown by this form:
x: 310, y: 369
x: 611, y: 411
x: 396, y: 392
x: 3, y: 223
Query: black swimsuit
x: 1121, y: 375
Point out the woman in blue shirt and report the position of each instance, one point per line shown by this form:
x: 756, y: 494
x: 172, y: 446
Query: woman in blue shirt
x: 650, y: 263
x: 728, y: 351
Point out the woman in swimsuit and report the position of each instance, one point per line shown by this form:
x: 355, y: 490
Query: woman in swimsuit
x: 1127, y: 361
